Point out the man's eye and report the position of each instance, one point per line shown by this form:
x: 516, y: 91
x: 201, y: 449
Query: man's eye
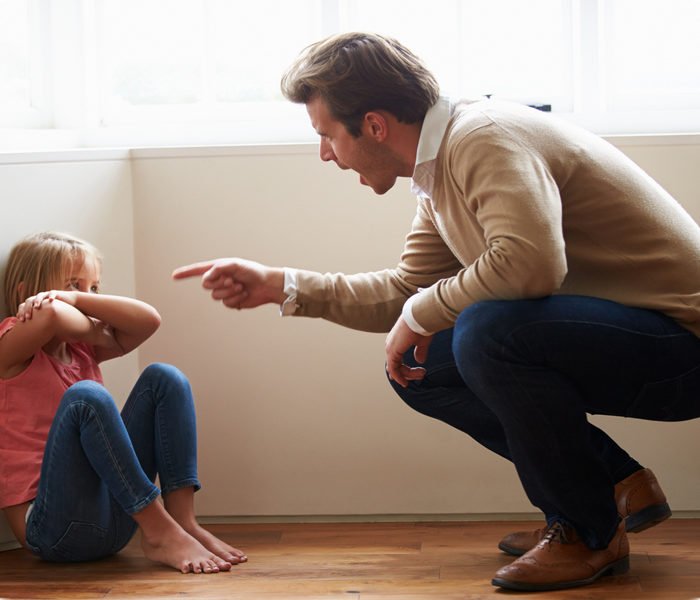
x: 95, y: 290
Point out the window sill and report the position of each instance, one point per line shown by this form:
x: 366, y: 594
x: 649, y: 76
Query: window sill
x: 76, y: 154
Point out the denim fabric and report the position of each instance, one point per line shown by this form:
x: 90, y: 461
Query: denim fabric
x: 99, y: 467
x: 519, y: 377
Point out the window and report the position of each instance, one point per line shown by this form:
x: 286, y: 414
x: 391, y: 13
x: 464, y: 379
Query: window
x: 162, y: 72
x: 22, y: 102
x: 199, y: 56
x: 651, y: 54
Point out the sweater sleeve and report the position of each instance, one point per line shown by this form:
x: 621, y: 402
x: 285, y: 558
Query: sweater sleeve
x: 502, y: 192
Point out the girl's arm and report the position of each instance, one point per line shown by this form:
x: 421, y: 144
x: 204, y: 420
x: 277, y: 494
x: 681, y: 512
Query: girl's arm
x: 113, y: 325
x: 131, y: 321
x: 55, y: 320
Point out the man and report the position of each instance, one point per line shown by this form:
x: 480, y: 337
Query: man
x: 545, y: 277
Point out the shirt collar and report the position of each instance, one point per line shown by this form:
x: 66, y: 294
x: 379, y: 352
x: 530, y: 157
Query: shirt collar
x: 431, y: 134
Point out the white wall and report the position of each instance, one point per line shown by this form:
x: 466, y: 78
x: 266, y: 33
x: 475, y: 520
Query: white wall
x: 295, y: 415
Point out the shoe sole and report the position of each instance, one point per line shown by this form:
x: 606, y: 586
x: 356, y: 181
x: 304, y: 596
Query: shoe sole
x: 619, y: 567
x: 634, y: 523
x: 647, y: 517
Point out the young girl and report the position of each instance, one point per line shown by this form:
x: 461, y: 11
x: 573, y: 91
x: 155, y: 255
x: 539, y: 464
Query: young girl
x: 76, y: 477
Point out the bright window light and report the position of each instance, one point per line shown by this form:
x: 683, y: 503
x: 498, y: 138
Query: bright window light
x: 21, y: 80
x: 14, y: 55
x: 197, y: 60
x: 651, y: 53
x: 181, y: 72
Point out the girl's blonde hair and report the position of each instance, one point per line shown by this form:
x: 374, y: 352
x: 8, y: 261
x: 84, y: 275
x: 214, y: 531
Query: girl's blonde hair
x: 41, y: 262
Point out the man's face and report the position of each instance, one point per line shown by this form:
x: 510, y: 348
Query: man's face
x: 376, y: 164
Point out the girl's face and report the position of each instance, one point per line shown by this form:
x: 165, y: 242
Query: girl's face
x: 85, y: 277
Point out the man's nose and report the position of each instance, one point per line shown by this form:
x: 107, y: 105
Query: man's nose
x: 326, y: 152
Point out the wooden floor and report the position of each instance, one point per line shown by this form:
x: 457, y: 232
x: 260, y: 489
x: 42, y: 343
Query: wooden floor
x: 358, y: 561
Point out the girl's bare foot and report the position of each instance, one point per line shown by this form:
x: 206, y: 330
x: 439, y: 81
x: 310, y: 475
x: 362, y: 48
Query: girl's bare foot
x: 176, y: 548
x: 164, y: 540
x: 180, y: 506
x: 215, y: 545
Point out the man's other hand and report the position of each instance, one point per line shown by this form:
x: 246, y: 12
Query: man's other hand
x: 400, y: 339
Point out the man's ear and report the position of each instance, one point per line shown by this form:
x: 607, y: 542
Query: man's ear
x: 376, y: 126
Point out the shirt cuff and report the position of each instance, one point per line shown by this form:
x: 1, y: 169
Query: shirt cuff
x: 407, y: 314
x: 289, y: 306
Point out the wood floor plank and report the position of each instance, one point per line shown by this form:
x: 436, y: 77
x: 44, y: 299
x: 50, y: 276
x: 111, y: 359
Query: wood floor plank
x: 357, y: 561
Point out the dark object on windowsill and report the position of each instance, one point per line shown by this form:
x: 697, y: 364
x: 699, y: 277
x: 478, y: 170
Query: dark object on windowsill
x: 538, y: 106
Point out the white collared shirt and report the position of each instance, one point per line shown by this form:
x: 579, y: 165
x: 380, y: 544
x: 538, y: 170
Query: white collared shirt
x: 431, y: 134
x: 423, y: 179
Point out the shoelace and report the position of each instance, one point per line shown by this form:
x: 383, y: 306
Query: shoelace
x: 557, y: 533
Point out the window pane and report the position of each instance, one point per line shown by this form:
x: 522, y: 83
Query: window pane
x: 651, y: 53
x: 254, y: 42
x: 430, y: 31
x: 151, y: 51
x: 519, y: 50
x: 15, y: 91
x: 191, y: 59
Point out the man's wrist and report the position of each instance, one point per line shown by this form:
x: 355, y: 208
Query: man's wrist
x: 407, y: 314
x: 288, y: 304
x: 276, y: 282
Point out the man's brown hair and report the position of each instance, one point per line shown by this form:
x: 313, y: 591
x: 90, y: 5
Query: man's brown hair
x: 355, y: 73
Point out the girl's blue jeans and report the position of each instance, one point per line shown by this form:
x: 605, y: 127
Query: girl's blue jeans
x: 520, y: 377
x: 99, y: 466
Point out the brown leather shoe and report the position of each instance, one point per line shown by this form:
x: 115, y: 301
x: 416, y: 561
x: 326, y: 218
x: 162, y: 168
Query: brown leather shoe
x: 640, y: 502
x: 561, y: 560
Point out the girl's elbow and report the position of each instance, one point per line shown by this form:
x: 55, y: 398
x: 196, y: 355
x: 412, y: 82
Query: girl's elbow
x: 62, y: 318
x: 150, y: 320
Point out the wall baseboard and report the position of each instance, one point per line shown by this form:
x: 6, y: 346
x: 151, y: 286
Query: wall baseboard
x: 418, y: 518
x: 9, y: 546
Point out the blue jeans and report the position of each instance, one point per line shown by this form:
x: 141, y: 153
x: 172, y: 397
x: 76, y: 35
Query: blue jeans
x: 99, y: 466
x: 519, y: 377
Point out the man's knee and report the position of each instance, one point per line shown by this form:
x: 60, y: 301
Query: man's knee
x: 490, y: 334
x: 477, y: 326
x: 416, y: 396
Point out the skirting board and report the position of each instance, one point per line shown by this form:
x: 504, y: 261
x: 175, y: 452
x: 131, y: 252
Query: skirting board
x: 8, y: 546
x: 419, y: 518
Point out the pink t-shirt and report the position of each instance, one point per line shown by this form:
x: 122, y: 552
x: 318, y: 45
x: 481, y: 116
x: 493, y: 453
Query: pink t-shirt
x: 28, y: 403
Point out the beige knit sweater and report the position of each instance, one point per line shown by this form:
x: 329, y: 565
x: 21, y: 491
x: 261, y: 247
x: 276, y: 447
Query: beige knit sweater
x: 524, y: 206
